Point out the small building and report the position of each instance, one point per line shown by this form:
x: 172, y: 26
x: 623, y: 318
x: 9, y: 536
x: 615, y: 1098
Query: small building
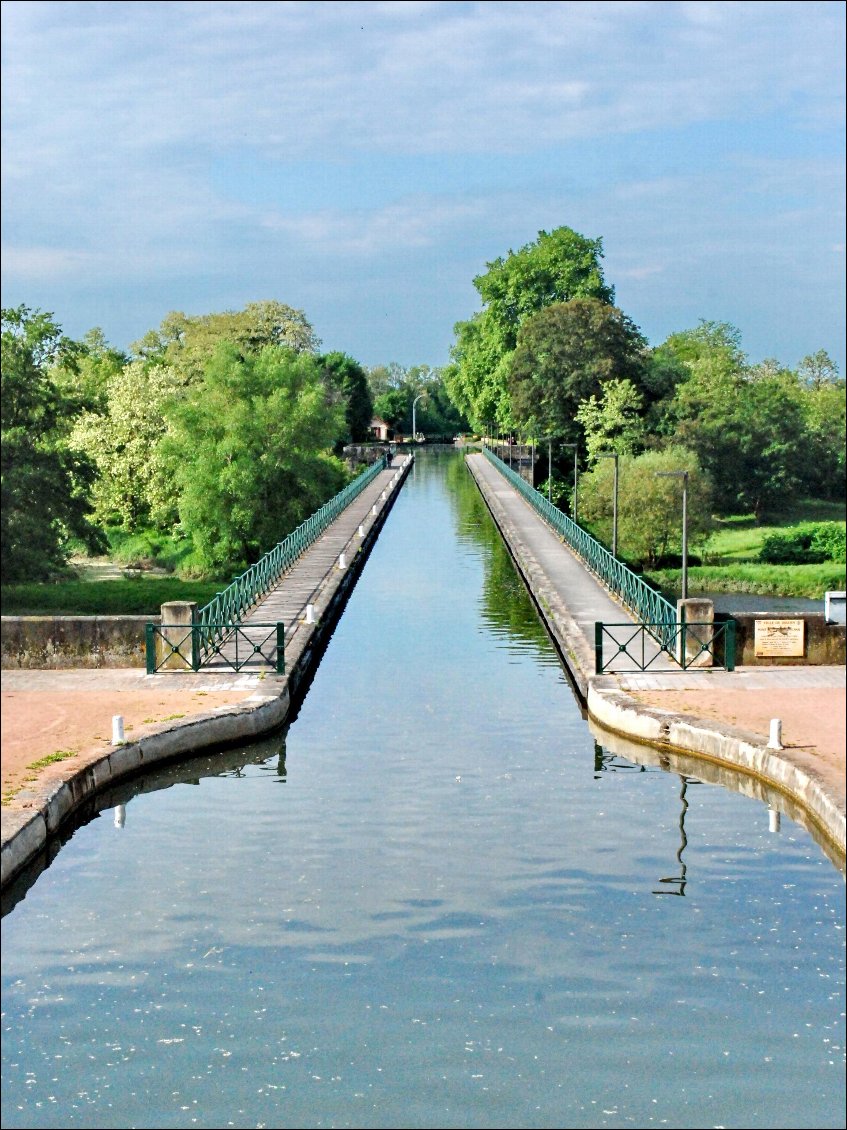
x: 380, y: 429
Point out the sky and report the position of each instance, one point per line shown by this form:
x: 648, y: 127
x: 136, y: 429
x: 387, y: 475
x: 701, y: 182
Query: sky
x: 363, y: 162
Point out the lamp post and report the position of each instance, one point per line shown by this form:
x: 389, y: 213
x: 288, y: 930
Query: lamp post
x: 684, y: 476
x: 613, y: 455
x: 575, y: 447
x: 414, y: 429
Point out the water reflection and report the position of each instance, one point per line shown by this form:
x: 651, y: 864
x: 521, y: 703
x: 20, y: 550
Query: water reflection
x: 677, y: 882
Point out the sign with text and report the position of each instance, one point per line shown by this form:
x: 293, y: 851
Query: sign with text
x: 779, y: 637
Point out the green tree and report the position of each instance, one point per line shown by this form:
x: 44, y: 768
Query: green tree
x: 45, y: 481
x: 566, y: 353
x: 613, y: 421
x: 132, y: 489
x: 249, y: 449
x: 351, y: 380
x: 649, y: 507
x: 559, y: 266
x: 823, y: 457
x: 187, y: 343
x: 817, y: 369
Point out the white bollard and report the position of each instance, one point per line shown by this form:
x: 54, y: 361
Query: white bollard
x: 342, y: 562
x: 775, y: 739
x: 383, y: 495
x: 773, y: 820
x: 310, y: 613
x: 373, y: 509
x: 117, y: 729
x: 361, y: 531
x: 120, y: 815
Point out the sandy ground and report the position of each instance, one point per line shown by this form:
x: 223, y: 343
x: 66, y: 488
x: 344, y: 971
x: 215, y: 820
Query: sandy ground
x: 37, y: 723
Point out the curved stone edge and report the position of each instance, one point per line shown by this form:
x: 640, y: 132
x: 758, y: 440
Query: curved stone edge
x: 29, y: 822
x: 722, y: 745
x: 618, y: 712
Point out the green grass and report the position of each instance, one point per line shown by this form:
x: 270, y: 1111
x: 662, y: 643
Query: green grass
x: 731, y: 565
x: 103, y: 598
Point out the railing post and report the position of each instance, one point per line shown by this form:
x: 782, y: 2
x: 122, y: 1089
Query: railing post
x: 178, y: 622
x: 280, y: 647
x: 729, y: 645
x: 150, y: 647
x: 598, y: 647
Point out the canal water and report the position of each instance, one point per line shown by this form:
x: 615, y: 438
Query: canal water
x: 434, y: 901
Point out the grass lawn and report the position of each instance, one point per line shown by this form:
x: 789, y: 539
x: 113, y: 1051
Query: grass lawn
x: 142, y: 597
x: 731, y: 565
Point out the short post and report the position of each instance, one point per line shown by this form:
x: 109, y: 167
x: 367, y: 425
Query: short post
x: 176, y: 646
x: 280, y: 647
x: 118, y: 729
x: 775, y: 737
x: 310, y: 613
x: 695, y: 647
x: 342, y: 561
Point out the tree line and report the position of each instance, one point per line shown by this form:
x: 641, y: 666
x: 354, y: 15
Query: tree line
x: 550, y: 356
x: 221, y: 432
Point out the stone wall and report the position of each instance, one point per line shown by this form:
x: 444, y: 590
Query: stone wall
x: 823, y: 644
x: 54, y: 642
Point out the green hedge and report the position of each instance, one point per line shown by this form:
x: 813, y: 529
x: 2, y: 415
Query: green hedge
x: 812, y: 543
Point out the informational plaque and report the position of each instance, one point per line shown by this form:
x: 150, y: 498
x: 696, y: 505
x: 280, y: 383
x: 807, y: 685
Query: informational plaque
x: 780, y: 637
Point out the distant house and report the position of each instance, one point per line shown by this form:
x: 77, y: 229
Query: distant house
x: 380, y: 429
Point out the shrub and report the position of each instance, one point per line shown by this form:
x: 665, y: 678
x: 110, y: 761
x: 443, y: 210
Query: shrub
x: 808, y: 544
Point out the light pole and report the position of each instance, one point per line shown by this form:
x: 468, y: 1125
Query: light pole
x: 684, y: 476
x: 613, y: 455
x: 414, y: 429
x: 575, y: 447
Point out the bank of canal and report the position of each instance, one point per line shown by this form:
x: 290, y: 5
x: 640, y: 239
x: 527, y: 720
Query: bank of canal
x: 433, y: 901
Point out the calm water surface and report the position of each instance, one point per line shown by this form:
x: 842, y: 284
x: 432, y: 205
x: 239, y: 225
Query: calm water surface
x: 432, y: 902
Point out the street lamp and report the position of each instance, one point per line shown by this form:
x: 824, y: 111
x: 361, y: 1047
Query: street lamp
x: 575, y: 447
x: 613, y: 455
x: 414, y: 429
x: 684, y: 476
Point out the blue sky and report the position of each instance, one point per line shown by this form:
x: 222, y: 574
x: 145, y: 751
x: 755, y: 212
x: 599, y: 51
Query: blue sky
x: 363, y: 161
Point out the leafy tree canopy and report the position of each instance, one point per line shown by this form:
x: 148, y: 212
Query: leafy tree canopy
x: 351, y: 380
x: 249, y: 449
x: 558, y: 267
x: 566, y: 353
x: 45, y: 482
x: 187, y: 343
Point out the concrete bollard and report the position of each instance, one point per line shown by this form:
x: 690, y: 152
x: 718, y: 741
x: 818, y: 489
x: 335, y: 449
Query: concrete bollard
x: 373, y: 509
x: 342, y: 561
x: 701, y: 612
x: 310, y: 613
x: 775, y: 739
x: 178, y: 617
x: 361, y: 531
x: 117, y: 729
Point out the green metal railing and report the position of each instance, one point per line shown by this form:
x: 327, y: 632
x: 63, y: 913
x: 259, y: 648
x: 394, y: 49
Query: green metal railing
x: 636, y: 646
x: 182, y: 646
x: 656, y: 613
x: 228, y: 607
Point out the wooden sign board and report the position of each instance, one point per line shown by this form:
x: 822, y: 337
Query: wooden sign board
x: 779, y: 637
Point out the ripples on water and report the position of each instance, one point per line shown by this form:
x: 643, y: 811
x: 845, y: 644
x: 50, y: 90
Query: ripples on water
x: 434, y: 901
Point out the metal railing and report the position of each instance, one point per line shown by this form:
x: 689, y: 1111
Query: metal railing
x: 184, y: 646
x: 227, y: 608
x: 627, y: 647
x: 656, y: 613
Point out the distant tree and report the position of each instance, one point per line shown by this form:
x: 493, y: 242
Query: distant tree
x: 566, y: 353
x: 822, y: 465
x: 352, y: 381
x: 45, y: 481
x: 249, y: 449
x: 559, y: 266
x: 649, y: 507
x: 817, y: 369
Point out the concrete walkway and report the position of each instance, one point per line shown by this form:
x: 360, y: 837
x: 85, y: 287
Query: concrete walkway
x: 720, y: 717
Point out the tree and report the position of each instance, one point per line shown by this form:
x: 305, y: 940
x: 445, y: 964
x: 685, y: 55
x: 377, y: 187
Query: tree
x: 187, y: 343
x: 649, y: 508
x: 613, y: 421
x: 249, y: 449
x: 823, y: 462
x: 817, y: 369
x: 132, y: 489
x: 559, y: 266
x: 351, y: 380
x: 45, y: 482
x: 566, y: 353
